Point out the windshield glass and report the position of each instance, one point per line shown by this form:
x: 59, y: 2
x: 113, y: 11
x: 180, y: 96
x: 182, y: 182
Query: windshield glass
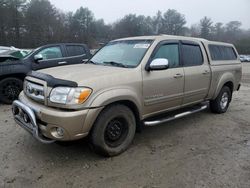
x: 21, y: 53
x: 126, y: 53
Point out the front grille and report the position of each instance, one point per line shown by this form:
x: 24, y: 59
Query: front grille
x: 34, y: 91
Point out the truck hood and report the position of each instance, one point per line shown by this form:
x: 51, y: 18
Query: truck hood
x: 9, y: 59
x: 89, y: 74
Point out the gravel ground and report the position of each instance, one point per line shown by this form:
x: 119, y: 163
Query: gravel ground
x: 202, y: 150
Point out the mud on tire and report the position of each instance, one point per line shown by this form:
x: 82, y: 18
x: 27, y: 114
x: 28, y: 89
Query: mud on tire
x: 221, y: 103
x: 113, y: 130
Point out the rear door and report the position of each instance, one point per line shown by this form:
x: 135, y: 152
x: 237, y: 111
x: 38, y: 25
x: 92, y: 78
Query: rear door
x: 52, y: 56
x: 76, y: 53
x: 197, y: 72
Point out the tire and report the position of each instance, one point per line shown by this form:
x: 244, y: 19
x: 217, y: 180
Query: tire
x: 113, y: 130
x: 222, y: 101
x: 10, y: 89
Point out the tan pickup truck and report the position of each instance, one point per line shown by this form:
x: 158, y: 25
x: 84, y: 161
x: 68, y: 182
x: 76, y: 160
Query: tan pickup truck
x: 128, y: 84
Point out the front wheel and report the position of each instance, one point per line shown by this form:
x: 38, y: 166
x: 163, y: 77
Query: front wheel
x: 222, y: 101
x: 10, y: 89
x: 113, y: 130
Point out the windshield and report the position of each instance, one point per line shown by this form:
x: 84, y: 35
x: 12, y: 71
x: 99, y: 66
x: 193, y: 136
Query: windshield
x: 21, y: 53
x: 126, y: 53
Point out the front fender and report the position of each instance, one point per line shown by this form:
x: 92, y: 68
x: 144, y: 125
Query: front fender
x: 13, y: 68
x: 115, y: 95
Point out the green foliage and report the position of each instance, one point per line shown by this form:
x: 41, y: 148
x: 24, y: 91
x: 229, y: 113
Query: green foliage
x: 32, y: 23
x: 206, y: 27
x: 173, y: 23
x: 243, y: 46
x: 132, y: 25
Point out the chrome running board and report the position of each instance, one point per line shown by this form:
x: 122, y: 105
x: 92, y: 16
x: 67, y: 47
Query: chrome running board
x: 193, y: 110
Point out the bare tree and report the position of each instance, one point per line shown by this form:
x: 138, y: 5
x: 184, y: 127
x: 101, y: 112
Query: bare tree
x: 33, y: 23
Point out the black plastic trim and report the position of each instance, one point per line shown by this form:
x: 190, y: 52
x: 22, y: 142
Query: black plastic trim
x: 208, y: 59
x: 51, y: 81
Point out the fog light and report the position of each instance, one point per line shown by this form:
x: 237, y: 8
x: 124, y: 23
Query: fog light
x: 60, y: 131
x: 36, y: 93
x: 15, y: 110
x: 26, y: 118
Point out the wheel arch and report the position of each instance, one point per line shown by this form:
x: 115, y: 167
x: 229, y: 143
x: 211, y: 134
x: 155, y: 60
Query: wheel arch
x: 225, y: 80
x: 132, y: 106
x: 20, y: 76
x: 110, y: 98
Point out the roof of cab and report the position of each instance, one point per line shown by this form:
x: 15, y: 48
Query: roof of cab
x: 172, y: 37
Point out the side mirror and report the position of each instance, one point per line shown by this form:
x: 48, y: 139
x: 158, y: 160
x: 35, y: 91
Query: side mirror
x: 38, y: 57
x: 159, y: 64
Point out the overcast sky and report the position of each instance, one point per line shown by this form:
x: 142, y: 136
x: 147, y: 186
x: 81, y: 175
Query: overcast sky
x: 112, y: 10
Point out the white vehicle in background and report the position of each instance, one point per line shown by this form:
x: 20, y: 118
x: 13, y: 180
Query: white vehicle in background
x: 245, y: 58
x: 93, y: 51
x: 5, y: 48
x: 248, y: 58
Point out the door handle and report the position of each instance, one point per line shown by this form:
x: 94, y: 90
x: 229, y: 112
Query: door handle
x: 62, y: 62
x: 178, y: 75
x: 206, y: 72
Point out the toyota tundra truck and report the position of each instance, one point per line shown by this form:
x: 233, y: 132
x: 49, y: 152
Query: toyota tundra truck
x: 128, y: 84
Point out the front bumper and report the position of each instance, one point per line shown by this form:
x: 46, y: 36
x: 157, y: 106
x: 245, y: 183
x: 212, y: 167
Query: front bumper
x: 26, y: 118
x: 43, y: 122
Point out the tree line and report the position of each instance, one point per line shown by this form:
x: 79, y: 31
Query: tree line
x: 29, y: 24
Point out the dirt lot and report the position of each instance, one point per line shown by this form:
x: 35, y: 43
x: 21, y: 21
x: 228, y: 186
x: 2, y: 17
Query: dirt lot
x: 203, y: 150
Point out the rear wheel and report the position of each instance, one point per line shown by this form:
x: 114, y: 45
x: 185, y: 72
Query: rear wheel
x: 222, y: 101
x: 113, y: 130
x: 10, y: 89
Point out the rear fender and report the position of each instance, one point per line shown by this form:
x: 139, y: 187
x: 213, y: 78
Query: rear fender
x: 226, y: 77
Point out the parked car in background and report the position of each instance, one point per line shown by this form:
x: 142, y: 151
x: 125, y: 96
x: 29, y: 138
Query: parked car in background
x: 248, y: 58
x: 245, y: 58
x: 128, y: 83
x: 5, y: 48
x: 15, y: 67
x: 13, y: 54
x: 93, y: 51
x: 242, y: 58
x: 5, y: 58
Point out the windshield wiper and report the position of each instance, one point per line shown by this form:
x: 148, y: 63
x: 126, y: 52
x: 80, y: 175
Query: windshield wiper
x: 115, y: 64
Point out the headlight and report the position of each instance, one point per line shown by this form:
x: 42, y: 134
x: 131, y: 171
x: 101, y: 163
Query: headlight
x: 67, y: 95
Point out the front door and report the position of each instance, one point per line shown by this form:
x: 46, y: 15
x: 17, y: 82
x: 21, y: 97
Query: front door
x: 52, y: 57
x: 163, y: 89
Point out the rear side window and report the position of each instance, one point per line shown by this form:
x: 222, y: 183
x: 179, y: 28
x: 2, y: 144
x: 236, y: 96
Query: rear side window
x: 222, y: 53
x: 192, y: 55
x: 169, y: 52
x: 74, y: 50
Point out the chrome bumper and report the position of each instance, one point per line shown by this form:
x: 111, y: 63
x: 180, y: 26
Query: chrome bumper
x: 25, y: 117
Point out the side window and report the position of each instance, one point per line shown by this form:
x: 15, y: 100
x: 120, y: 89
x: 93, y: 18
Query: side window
x: 74, y: 50
x: 191, y: 55
x: 51, y: 53
x: 222, y: 53
x: 215, y: 52
x: 170, y: 52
